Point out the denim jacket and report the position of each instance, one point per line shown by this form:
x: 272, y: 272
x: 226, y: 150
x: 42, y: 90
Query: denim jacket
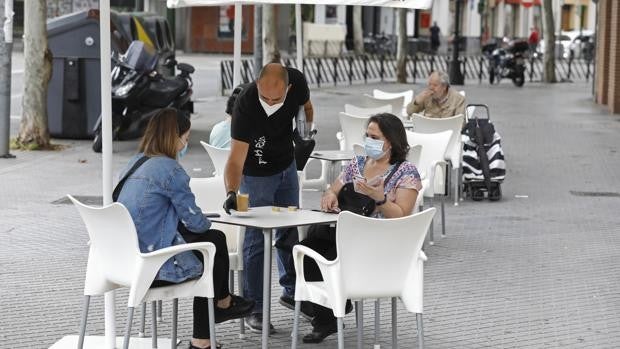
x: 158, y: 196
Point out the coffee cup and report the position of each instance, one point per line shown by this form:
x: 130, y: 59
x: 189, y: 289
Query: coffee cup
x: 243, y: 202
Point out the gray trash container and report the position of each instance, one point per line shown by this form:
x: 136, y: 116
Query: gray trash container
x: 74, y: 92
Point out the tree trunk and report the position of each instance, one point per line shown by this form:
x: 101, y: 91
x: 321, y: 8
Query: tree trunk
x: 401, y: 53
x: 33, y: 131
x: 358, y: 31
x: 549, y: 54
x: 271, y: 53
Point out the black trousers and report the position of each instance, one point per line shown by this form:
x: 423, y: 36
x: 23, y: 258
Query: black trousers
x: 322, y: 239
x: 220, y: 276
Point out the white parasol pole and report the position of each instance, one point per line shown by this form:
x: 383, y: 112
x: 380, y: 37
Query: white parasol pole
x: 106, y: 153
x: 237, y: 46
x: 298, y: 29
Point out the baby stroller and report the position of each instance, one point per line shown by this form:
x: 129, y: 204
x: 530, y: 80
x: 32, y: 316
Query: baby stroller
x: 483, y: 159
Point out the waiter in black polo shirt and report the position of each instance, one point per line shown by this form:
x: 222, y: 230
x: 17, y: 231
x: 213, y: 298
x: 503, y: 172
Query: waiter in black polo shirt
x: 262, y: 164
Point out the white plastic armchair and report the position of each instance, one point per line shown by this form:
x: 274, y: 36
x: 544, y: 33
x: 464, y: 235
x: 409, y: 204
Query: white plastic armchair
x: 396, y: 102
x: 454, y: 153
x: 218, y: 156
x: 431, y: 166
x: 355, y: 274
x: 353, y: 129
x: 408, y: 97
x: 210, y: 193
x: 367, y: 111
x: 115, y: 261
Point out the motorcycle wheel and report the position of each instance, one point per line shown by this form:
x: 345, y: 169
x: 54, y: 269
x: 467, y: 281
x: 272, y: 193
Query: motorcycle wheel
x: 519, y: 80
x: 491, y: 75
x: 97, y: 142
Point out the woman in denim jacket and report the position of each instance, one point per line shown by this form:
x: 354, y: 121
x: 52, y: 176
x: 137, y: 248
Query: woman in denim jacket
x: 165, y: 213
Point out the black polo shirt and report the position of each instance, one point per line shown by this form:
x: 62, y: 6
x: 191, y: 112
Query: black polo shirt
x: 270, y: 138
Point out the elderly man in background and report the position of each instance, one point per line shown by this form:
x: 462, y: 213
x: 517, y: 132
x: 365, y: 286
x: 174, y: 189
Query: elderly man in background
x: 438, y: 100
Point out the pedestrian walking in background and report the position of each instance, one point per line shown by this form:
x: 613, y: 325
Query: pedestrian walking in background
x: 435, y: 31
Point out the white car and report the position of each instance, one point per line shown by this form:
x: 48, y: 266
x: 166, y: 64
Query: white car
x: 569, y: 41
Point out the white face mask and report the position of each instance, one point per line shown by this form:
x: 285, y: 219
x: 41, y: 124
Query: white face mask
x: 271, y: 109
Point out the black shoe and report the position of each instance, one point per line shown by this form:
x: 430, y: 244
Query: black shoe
x: 307, y: 310
x: 254, y: 323
x: 320, y: 333
x: 239, y: 307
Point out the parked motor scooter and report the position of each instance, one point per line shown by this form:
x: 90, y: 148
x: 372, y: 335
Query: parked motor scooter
x: 139, y: 92
x: 508, y: 62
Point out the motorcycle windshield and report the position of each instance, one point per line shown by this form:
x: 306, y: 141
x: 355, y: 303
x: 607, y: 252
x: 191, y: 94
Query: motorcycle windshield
x: 140, y: 57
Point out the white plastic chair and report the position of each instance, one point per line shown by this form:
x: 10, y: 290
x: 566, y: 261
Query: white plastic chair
x: 454, y: 153
x: 431, y: 165
x: 367, y: 111
x: 115, y: 261
x: 355, y: 274
x: 353, y: 129
x: 210, y: 193
x: 396, y: 102
x: 408, y: 97
x: 219, y: 157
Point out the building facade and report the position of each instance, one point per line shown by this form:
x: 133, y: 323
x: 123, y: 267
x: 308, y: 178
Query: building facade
x: 607, y: 75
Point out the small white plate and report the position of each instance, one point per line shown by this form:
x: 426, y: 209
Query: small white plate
x: 241, y: 213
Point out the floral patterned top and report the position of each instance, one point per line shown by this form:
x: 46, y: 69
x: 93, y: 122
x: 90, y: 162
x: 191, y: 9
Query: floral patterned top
x: 406, y: 176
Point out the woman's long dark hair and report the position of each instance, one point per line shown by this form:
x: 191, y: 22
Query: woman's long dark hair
x: 392, y: 128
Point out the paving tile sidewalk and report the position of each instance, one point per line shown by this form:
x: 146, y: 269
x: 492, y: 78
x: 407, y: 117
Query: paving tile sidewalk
x: 527, y: 272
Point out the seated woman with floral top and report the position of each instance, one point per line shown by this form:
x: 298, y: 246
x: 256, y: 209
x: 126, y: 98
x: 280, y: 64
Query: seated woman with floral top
x: 386, y: 153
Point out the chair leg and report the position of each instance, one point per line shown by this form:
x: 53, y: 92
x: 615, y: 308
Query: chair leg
x: 241, y: 320
x: 159, y: 309
x: 359, y: 312
x: 83, y: 321
x: 142, y: 320
x: 431, y: 240
x: 175, y: 312
x: 418, y: 318
x: 128, y: 328
x: 212, y: 323
x: 231, y: 282
x: 154, y: 324
x: 394, y: 325
x: 377, y: 322
x: 340, y: 333
x: 295, y: 333
x: 443, y: 217
x: 456, y: 186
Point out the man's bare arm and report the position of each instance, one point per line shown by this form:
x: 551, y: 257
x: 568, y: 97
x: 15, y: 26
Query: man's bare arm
x: 234, y: 165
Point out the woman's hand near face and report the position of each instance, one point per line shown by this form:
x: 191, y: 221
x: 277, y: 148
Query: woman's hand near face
x: 374, y: 191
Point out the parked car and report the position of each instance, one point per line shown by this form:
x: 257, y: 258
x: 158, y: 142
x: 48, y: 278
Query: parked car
x: 571, y: 43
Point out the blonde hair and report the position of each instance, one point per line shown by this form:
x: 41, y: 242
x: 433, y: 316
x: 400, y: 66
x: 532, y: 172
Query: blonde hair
x: 162, y: 134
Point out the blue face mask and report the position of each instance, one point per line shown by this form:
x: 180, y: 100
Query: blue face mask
x: 374, y: 148
x: 182, y: 152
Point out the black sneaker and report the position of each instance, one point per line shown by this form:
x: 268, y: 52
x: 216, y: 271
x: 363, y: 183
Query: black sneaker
x: 319, y: 333
x: 239, y: 307
x: 307, y: 311
x: 254, y: 323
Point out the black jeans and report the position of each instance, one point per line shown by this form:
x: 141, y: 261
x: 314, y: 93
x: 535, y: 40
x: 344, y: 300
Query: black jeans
x: 322, y: 239
x: 220, y: 276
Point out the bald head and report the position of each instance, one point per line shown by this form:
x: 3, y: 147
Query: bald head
x: 272, y: 83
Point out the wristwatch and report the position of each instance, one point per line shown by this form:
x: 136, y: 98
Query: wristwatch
x: 379, y: 203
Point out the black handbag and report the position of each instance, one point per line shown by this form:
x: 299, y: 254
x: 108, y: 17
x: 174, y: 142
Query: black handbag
x: 303, y: 149
x: 358, y: 203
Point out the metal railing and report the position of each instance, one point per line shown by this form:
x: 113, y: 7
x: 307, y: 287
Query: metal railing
x: 354, y: 69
